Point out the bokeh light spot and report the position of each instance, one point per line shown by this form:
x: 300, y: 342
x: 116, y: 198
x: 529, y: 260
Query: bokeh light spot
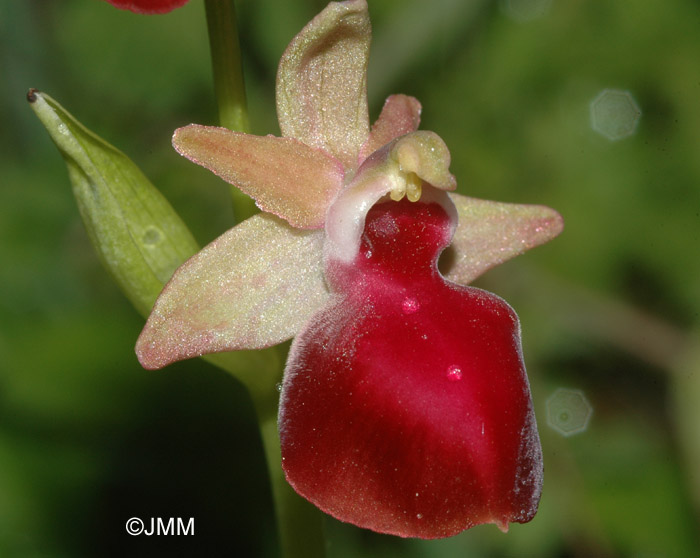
x: 568, y: 411
x: 614, y: 114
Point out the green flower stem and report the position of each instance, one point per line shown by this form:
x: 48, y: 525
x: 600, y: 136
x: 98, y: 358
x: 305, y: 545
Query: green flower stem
x: 300, y: 524
x: 228, y: 70
x: 229, y: 85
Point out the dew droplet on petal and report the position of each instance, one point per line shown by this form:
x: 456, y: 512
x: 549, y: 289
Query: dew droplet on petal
x: 419, y: 516
x: 454, y: 373
x: 410, y: 305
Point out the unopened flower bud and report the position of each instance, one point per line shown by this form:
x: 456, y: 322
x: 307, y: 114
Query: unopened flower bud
x: 137, y: 234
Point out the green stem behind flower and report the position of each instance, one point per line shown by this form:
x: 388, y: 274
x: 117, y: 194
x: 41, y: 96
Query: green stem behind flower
x: 228, y: 69
x: 300, y: 524
x: 229, y: 84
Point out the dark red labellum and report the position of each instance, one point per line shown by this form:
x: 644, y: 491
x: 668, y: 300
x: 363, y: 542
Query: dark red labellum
x: 405, y: 407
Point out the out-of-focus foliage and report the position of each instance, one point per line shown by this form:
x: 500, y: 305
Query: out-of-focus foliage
x: 611, y: 308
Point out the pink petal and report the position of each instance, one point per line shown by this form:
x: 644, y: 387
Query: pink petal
x: 405, y: 407
x: 490, y: 233
x: 148, y: 6
x: 322, y: 82
x: 400, y: 115
x: 284, y: 176
x: 253, y: 287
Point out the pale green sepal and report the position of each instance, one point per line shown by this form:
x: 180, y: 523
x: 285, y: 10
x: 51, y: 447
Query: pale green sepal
x: 490, y: 233
x: 137, y: 234
x: 322, y: 82
x: 253, y: 287
x: 285, y: 176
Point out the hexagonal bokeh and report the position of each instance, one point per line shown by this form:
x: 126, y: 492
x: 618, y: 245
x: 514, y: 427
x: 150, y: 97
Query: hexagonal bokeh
x: 614, y: 114
x: 525, y: 10
x: 568, y: 411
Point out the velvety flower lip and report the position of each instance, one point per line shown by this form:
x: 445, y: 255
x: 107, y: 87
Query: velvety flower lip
x: 148, y: 7
x: 405, y: 405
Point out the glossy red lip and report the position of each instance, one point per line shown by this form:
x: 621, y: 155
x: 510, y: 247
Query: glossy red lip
x: 405, y: 407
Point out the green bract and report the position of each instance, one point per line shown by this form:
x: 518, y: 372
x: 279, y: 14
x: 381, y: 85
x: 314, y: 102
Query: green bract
x: 137, y: 234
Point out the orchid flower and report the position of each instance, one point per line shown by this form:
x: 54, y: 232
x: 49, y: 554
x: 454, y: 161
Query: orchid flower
x: 405, y: 406
x: 148, y: 6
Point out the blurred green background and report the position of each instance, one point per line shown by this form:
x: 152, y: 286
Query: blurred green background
x: 88, y: 439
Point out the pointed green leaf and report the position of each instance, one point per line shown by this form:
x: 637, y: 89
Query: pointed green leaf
x: 137, y: 234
